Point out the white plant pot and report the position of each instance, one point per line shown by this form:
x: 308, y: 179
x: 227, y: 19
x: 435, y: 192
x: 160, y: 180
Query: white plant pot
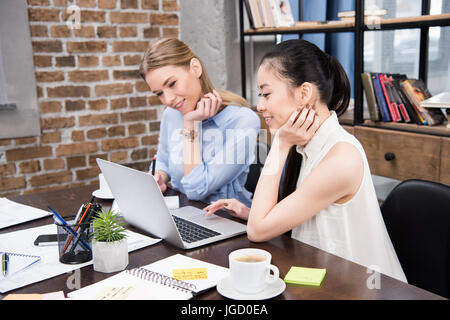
x: 110, y: 256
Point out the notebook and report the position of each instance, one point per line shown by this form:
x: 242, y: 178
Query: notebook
x: 305, y: 276
x: 441, y: 100
x: 156, y: 281
x: 18, y: 262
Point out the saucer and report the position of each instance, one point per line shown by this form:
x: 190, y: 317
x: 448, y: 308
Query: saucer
x: 225, y: 288
x: 102, y: 195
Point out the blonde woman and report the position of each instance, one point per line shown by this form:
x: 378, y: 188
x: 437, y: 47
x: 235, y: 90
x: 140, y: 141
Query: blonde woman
x: 207, y: 136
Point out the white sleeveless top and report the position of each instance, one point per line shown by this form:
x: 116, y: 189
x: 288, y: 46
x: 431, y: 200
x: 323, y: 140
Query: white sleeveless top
x: 354, y: 230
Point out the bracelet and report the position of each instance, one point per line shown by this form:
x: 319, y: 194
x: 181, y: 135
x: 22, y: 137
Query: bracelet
x: 189, y: 134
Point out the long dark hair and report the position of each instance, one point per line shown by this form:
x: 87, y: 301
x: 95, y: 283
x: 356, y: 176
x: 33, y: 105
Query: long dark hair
x: 300, y: 61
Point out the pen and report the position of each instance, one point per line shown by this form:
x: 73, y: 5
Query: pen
x: 79, y: 212
x: 78, y: 225
x: 84, y: 214
x: 153, y: 166
x: 5, y: 261
x: 68, y: 228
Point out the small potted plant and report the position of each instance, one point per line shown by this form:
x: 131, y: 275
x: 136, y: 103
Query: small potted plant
x: 109, y: 243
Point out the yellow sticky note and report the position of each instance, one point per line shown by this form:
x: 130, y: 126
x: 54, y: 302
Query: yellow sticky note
x: 190, y: 274
x: 306, y: 276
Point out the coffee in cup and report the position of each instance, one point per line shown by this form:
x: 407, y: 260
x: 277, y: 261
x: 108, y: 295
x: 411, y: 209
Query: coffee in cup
x: 250, y: 270
x: 250, y: 258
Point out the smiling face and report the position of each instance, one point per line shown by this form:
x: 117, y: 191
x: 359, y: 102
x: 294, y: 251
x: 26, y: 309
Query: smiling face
x: 277, y: 101
x: 177, y: 87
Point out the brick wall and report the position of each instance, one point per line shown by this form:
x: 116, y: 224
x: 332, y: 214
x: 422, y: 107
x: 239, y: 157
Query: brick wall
x: 92, y: 101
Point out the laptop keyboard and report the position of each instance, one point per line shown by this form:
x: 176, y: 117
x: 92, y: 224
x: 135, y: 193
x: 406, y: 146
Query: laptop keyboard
x: 191, y: 232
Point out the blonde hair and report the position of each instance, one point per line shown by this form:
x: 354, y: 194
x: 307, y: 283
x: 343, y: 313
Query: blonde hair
x: 174, y: 52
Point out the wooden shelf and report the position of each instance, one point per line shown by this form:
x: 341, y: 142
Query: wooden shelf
x: 439, y: 130
x: 433, y: 18
x: 412, y: 22
x: 343, y: 26
x: 305, y: 27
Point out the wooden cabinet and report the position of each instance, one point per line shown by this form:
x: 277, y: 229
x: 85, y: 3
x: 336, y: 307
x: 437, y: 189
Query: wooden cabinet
x: 445, y: 161
x: 404, y: 155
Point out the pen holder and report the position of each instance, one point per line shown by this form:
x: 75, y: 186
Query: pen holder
x: 74, y: 243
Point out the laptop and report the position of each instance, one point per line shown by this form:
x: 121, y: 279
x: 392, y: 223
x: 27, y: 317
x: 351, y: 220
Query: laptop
x: 142, y: 205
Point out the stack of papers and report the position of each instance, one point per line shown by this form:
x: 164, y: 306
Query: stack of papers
x: 21, y: 242
x: 12, y: 213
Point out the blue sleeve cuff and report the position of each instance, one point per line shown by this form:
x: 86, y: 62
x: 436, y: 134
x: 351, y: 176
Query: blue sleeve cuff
x: 161, y: 166
x: 195, y: 184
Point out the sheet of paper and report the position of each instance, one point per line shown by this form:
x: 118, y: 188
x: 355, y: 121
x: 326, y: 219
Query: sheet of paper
x: 49, y: 265
x: 114, y: 293
x: 12, y: 213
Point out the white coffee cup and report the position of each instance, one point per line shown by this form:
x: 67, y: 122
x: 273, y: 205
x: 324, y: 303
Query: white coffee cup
x: 104, y: 187
x: 250, y: 270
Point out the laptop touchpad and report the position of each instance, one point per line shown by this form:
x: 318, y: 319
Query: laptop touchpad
x: 187, y: 212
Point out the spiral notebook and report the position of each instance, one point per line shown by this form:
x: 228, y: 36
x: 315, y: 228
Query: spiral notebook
x: 18, y: 262
x: 156, y: 281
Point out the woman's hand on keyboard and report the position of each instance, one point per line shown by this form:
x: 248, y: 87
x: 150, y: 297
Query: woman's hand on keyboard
x: 232, y: 206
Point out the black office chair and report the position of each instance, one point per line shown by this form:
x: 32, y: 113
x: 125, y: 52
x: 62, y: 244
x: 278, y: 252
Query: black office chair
x: 417, y: 217
x: 262, y: 150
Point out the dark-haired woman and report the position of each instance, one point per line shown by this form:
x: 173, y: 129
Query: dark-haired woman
x: 327, y: 197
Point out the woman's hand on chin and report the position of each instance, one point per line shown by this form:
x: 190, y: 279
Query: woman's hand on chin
x: 299, y: 129
x: 207, y: 107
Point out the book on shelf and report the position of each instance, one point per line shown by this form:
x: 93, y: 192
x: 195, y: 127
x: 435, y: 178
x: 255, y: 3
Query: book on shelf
x: 282, y: 13
x: 395, y: 95
x: 367, y: 12
x: 350, y: 15
x: 249, y: 14
x: 382, y: 107
x: 374, y: 111
x: 254, y: 12
x: 269, y: 13
x: 417, y: 92
x: 371, y: 16
x: 392, y: 106
x: 395, y: 98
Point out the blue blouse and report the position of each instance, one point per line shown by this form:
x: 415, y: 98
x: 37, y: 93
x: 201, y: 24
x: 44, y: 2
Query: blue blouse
x: 228, y: 142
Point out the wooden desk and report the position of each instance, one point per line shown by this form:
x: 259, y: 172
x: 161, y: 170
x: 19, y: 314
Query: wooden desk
x: 344, y: 279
